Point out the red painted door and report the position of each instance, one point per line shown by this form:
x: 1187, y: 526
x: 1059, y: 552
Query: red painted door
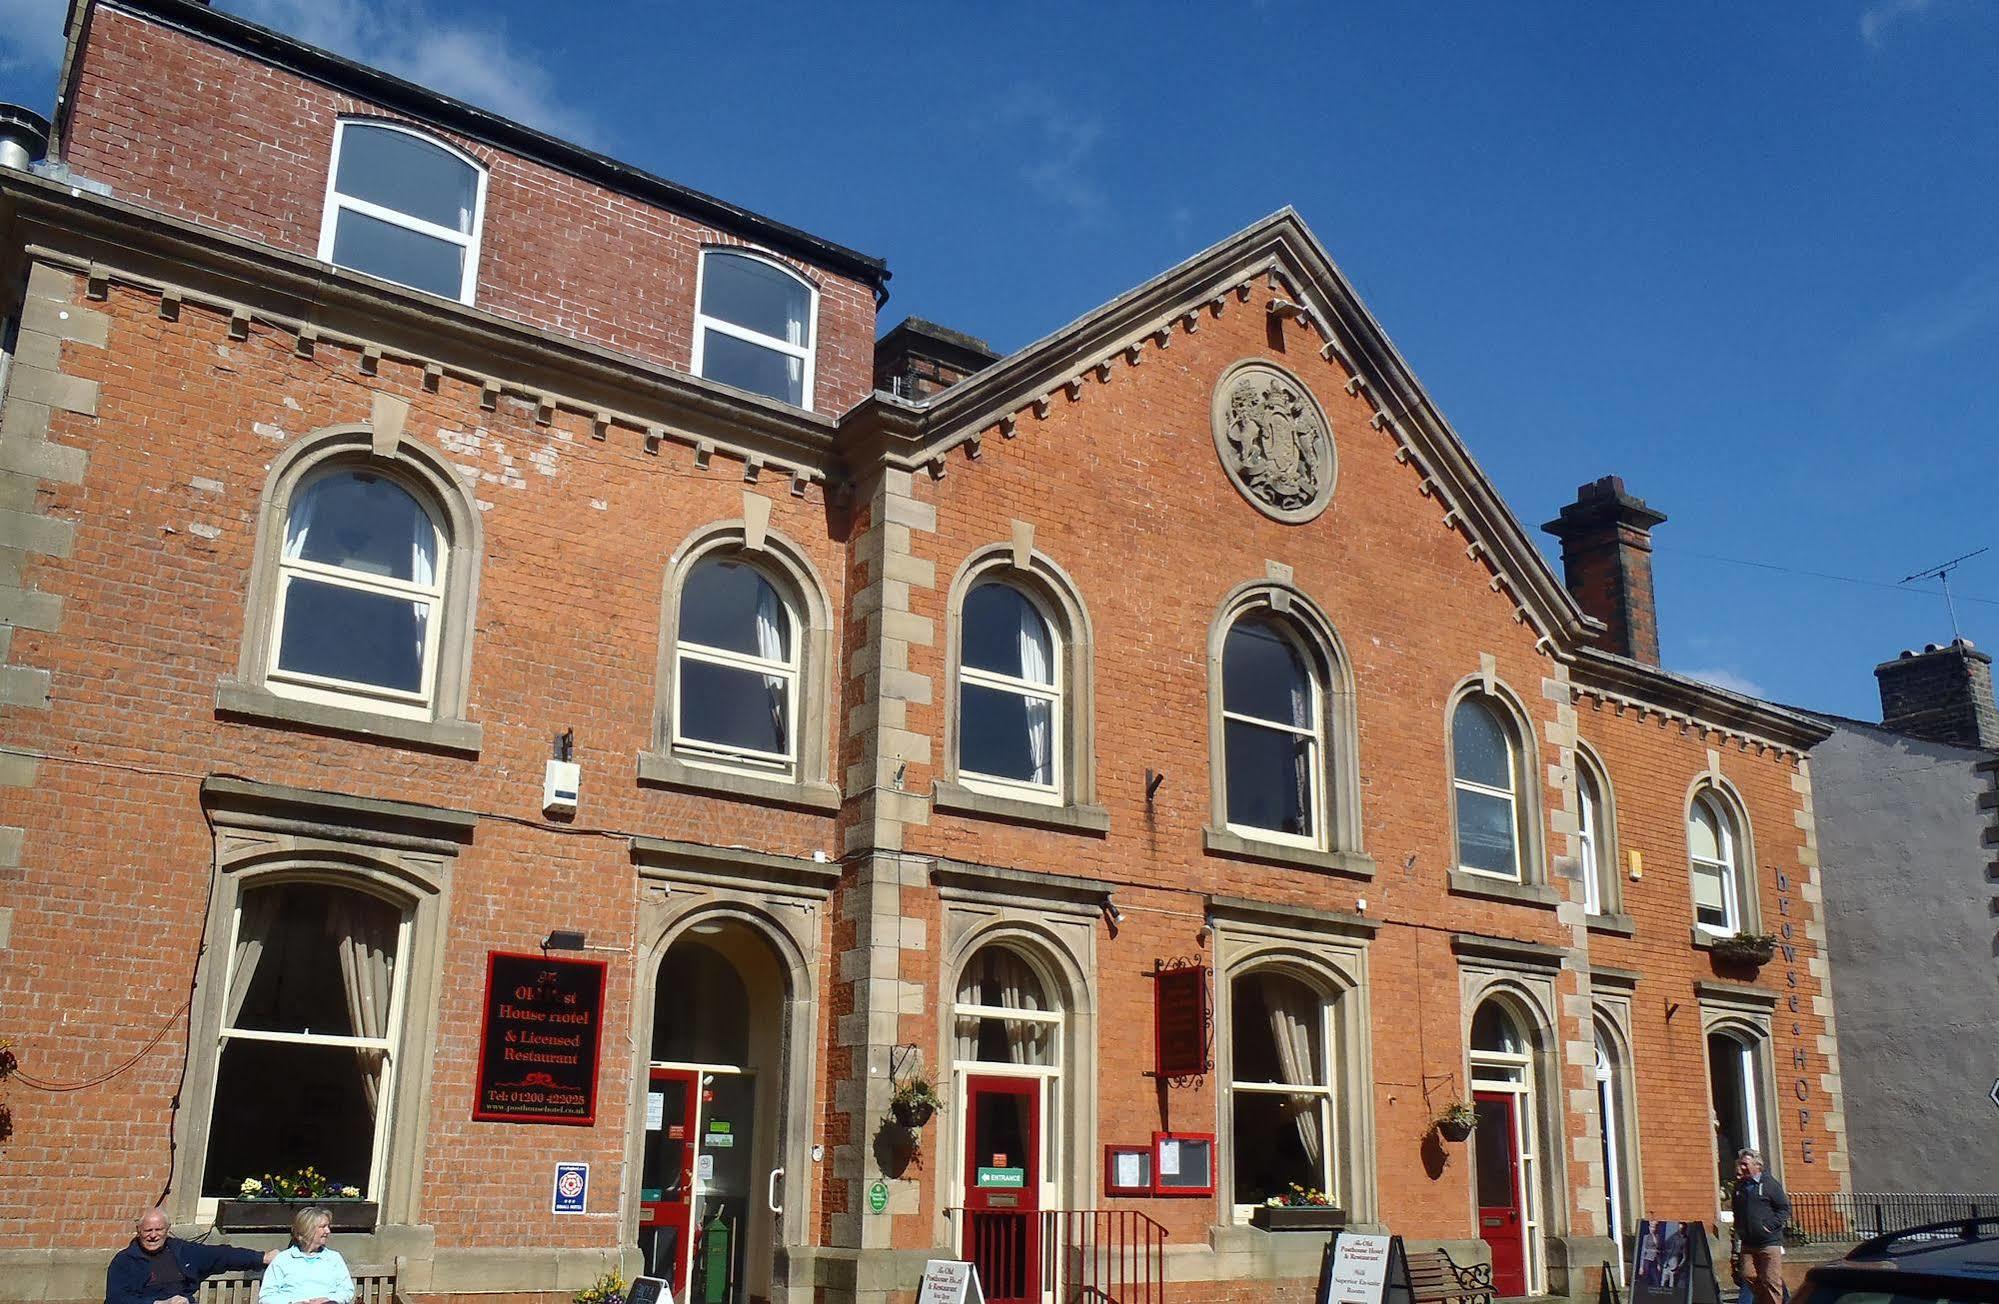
x: 666, y: 1182
x: 1496, y: 1165
x: 1002, y: 1187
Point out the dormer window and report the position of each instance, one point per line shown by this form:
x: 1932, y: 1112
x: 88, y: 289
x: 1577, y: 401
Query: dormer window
x: 753, y: 327
x: 403, y: 207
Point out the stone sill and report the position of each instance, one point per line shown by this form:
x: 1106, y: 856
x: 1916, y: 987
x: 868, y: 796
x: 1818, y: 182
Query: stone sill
x: 960, y: 800
x: 1221, y: 842
x: 1621, y: 925
x: 665, y: 771
x: 250, y: 702
x: 1539, y: 895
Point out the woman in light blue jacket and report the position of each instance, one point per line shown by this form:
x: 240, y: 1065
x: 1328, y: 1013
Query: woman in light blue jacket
x: 307, y: 1272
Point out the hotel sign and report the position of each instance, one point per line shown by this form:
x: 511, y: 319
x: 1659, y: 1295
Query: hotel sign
x: 539, y: 1040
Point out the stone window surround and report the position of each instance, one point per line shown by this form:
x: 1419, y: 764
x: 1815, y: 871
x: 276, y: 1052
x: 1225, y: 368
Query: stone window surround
x: 1745, y: 1013
x: 1748, y: 889
x: 784, y: 900
x: 1612, y: 1021
x: 267, y: 834
x: 1328, y: 950
x: 1610, y: 876
x: 1052, y: 919
x: 1038, y: 575
x: 780, y: 560
x: 1523, y: 975
x: 1339, y: 849
x: 1533, y: 888
x: 380, y: 446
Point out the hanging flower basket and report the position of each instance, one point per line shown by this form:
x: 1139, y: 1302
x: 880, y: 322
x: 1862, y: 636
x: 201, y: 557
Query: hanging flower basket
x: 1751, y: 950
x: 1458, y: 1121
x: 914, y: 1104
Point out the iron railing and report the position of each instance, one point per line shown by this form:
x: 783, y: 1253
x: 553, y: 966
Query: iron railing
x: 1070, y: 1256
x: 1818, y: 1217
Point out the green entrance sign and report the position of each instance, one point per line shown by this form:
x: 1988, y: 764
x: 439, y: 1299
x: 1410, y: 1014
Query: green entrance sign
x: 990, y: 1178
x: 878, y: 1198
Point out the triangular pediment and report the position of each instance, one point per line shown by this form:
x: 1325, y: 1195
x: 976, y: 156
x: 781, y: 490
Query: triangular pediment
x: 1276, y: 267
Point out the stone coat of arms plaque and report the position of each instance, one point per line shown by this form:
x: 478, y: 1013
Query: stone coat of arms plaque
x: 1274, y: 441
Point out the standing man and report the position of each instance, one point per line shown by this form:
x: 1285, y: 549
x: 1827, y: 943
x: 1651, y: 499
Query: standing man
x: 1762, y: 1211
x: 160, y: 1269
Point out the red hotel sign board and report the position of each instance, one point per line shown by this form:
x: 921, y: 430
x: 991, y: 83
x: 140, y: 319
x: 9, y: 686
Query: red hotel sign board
x: 538, y: 1040
x: 1180, y: 1022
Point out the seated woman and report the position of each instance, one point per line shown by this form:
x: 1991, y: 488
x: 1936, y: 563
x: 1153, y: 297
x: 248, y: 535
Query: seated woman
x: 307, y: 1272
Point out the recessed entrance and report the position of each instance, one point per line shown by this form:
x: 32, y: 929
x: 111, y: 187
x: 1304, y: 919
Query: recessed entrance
x: 1506, y: 1160
x: 709, y: 1172
x: 1007, y: 1044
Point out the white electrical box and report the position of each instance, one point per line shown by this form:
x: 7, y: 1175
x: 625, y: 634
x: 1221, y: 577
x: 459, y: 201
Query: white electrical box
x: 558, y: 788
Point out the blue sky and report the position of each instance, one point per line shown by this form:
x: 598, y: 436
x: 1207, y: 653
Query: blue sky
x: 1746, y: 256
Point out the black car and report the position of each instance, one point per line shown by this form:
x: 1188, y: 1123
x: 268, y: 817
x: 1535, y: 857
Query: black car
x: 1941, y: 1263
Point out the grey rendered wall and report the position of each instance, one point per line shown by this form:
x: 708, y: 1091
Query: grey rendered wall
x: 1913, y: 927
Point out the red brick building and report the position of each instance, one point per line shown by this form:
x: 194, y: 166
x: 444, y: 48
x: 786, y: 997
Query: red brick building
x: 362, y: 451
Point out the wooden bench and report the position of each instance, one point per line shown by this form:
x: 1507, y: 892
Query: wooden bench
x: 373, y: 1284
x: 1435, y: 1279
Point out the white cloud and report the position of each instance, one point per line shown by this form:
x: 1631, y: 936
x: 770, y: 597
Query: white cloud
x: 471, y: 62
x: 1062, y: 142
x: 1728, y: 679
x: 31, y: 35
x: 1943, y: 318
x: 1880, y: 17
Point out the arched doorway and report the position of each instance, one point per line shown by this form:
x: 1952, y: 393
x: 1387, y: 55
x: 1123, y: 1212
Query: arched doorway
x: 1506, y: 1156
x: 1007, y: 1068
x: 713, y: 1114
x: 1618, y: 1133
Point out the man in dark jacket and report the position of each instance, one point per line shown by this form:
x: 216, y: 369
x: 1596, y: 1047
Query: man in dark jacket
x: 160, y: 1269
x: 1762, y: 1211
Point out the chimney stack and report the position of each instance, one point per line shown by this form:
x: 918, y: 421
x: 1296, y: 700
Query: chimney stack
x: 1606, y: 539
x: 1943, y: 694
x: 918, y: 358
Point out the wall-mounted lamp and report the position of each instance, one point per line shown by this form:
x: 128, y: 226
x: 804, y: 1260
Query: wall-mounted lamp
x: 1112, y: 915
x: 1206, y: 932
x: 564, y: 939
x: 1152, y: 781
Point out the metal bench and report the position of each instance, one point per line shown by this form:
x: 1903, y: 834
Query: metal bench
x: 1435, y: 1279
x: 373, y: 1284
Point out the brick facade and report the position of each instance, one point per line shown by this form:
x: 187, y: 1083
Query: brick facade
x: 146, y: 408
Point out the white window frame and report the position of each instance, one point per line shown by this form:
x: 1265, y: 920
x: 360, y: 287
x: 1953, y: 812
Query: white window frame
x: 1510, y: 794
x: 1054, y: 1146
x: 1725, y: 868
x: 713, y: 755
x: 335, y: 202
x: 1325, y: 1090
x: 385, y: 1045
x: 1610, y: 1121
x: 1589, y: 816
x: 1747, y: 1070
x: 1315, y: 734
x: 1513, y: 1074
x: 1049, y: 794
x: 703, y: 323
x: 329, y: 689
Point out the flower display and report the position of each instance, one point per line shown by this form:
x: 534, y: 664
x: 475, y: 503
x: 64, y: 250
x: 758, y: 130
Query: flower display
x: 1300, y: 1197
x: 306, y: 1183
x: 607, y: 1289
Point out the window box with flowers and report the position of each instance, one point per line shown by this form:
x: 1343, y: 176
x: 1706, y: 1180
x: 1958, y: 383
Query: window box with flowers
x: 1303, y: 1209
x: 1744, y: 950
x: 269, y: 1203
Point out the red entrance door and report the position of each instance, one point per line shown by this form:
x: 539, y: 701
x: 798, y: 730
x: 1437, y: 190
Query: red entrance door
x: 1497, y: 1176
x: 666, y: 1182
x: 1002, y: 1187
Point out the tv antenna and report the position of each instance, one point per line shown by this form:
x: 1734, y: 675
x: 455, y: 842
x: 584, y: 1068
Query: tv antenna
x: 1941, y: 574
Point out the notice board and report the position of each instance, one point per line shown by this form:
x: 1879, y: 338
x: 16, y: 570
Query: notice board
x: 538, y: 1040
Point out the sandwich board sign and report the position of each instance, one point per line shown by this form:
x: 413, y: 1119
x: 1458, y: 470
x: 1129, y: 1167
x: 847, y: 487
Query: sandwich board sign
x: 1356, y: 1268
x: 950, y: 1281
x: 649, y: 1290
x: 1672, y: 1263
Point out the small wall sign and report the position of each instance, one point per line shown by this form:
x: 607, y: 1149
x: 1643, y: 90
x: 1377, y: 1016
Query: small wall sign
x: 1180, y: 1018
x: 572, y: 1188
x: 878, y: 1197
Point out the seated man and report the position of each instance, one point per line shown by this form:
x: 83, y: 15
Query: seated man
x: 160, y: 1269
